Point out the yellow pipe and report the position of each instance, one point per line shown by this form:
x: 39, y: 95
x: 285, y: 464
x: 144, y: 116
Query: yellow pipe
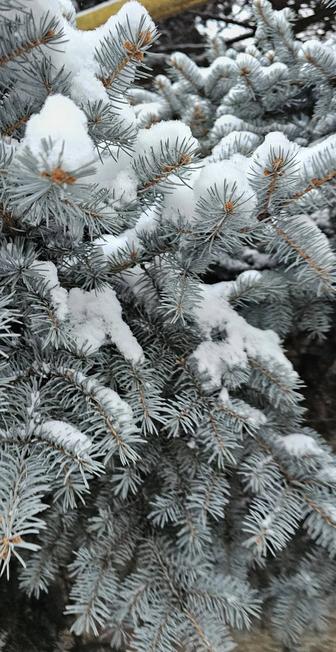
x: 158, y: 9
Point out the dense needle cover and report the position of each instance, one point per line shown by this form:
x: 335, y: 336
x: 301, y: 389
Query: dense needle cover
x: 156, y: 471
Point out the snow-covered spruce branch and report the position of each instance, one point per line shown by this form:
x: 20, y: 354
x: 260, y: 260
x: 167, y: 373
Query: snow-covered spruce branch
x: 157, y: 470
x: 274, y: 76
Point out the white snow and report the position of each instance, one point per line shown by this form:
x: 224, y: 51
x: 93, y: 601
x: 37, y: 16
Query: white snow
x: 226, y: 173
x: 233, y: 142
x: 179, y: 204
x: 124, y: 187
x: 250, y: 275
x: 151, y: 112
x: 111, y: 245
x: 223, y: 396
x: 300, y: 445
x: 324, y: 150
x: 328, y: 473
x: 119, y: 409
x: 63, y: 123
x: 133, y: 14
x: 224, y: 125
x: 241, y: 162
x: 78, y: 50
x: 160, y: 142
x: 146, y: 223
x: 172, y: 130
x: 59, y: 295
x: 252, y: 415
x: 85, y: 85
x: 240, y: 339
x: 213, y: 357
x: 65, y: 434
x: 89, y: 317
x: 95, y: 316
x: 117, y: 175
x: 122, y: 411
x: 275, y: 145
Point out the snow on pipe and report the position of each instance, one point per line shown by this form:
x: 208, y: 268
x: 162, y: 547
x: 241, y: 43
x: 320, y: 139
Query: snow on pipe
x: 95, y: 16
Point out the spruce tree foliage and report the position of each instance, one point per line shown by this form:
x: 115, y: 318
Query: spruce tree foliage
x: 279, y: 84
x: 155, y: 466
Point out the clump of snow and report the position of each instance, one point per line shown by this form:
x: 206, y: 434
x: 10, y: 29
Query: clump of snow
x: 223, y: 396
x: 233, y: 143
x: 85, y: 84
x: 79, y: 47
x: 59, y: 295
x: 65, y: 434
x: 172, y: 131
x: 110, y: 244
x: 118, y: 175
x: 241, y: 340
x: 134, y: 14
x: 324, y: 150
x: 161, y: 143
x: 256, y: 258
x: 250, y: 275
x: 224, y: 125
x: 275, y: 145
x: 228, y: 180
x: 328, y: 473
x: 252, y: 415
x: 112, y: 403
x: 124, y: 186
x: 95, y: 316
x: 64, y: 125
x: 148, y: 113
x: 122, y: 411
x: 179, y: 204
x: 212, y: 359
x: 301, y: 445
x: 91, y: 317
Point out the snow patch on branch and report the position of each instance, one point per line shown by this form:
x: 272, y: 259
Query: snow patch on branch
x: 164, y: 150
x: 121, y: 410
x: 230, y: 182
x: 96, y: 316
x: 58, y: 295
x: 146, y: 223
x: 79, y: 48
x: 90, y: 317
x: 240, y: 342
x: 274, y: 146
x: 117, y: 175
x: 300, y: 445
x: 65, y: 434
x: 62, y: 125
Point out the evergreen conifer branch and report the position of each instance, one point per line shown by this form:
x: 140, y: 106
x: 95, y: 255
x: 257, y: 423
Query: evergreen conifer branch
x: 150, y: 268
